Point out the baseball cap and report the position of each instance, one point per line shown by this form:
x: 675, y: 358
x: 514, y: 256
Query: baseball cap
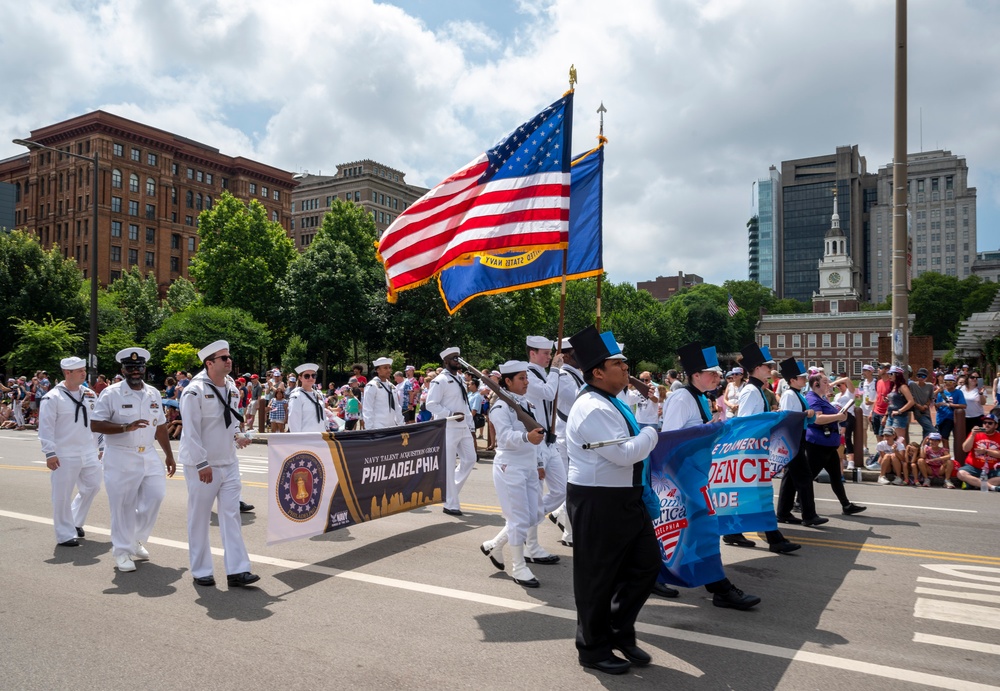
x: 934, y: 435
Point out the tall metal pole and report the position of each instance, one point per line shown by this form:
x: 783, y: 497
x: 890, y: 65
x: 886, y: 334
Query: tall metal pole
x: 92, y: 359
x: 900, y: 295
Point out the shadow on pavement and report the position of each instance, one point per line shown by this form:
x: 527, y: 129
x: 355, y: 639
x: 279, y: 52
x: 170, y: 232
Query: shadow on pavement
x: 148, y: 580
x: 242, y: 604
x: 85, y: 555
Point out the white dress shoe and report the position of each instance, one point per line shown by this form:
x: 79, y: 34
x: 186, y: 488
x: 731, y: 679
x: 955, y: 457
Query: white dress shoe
x: 139, y: 552
x: 124, y: 563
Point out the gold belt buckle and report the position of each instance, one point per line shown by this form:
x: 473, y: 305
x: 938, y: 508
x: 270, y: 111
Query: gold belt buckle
x: 141, y: 449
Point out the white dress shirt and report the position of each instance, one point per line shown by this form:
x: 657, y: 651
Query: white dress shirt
x: 513, y: 447
x: 380, y: 405
x: 542, y: 389
x: 63, y: 427
x: 119, y: 404
x: 592, y: 419
x: 304, y: 407
x: 207, y: 441
x: 446, y: 396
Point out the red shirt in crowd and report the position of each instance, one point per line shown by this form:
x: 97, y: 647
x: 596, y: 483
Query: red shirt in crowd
x: 980, y: 443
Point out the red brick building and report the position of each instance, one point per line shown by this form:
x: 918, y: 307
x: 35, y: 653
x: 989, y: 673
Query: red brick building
x: 151, y: 187
x: 665, y: 287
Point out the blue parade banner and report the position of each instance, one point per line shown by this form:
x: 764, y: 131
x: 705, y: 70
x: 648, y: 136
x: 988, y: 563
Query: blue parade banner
x: 740, y: 484
x: 687, y: 529
x: 715, y: 479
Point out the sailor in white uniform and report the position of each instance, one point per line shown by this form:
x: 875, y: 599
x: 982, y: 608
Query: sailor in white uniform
x: 306, y: 412
x: 517, y: 470
x: 71, y: 450
x: 130, y: 415
x: 380, y: 406
x: 570, y: 383
x: 211, y: 470
x: 615, y: 554
x: 542, y: 388
x: 447, y: 397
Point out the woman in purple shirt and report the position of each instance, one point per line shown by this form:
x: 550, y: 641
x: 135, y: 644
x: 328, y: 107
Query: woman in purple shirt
x: 823, y: 439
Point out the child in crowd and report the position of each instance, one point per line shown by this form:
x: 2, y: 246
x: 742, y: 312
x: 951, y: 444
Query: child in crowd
x: 935, y: 461
x: 891, y: 454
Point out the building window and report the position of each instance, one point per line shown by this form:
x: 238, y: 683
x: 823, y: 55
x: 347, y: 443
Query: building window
x: 173, y: 195
x: 796, y: 340
x: 253, y: 188
x: 765, y: 340
x: 208, y: 202
x: 826, y: 340
x: 190, y: 173
x: 133, y: 231
x: 175, y: 265
x: 116, y: 229
x: 189, y: 220
x: 357, y: 196
x: 133, y: 257
x: 150, y: 187
x: 190, y: 244
x: 150, y: 235
x: 175, y: 241
x: 208, y: 178
x: 225, y: 183
x: 781, y: 340
x: 276, y: 197
x: 174, y: 169
x: 858, y: 340
x: 811, y: 340
x: 150, y: 212
x: 116, y: 254
x: 151, y: 159
x: 118, y: 150
x: 200, y: 176
x: 841, y: 340
x: 136, y: 155
x: 198, y: 202
x: 116, y: 179
x: 133, y: 183
x: 189, y: 199
x: 116, y: 205
x: 873, y: 341
x: 263, y: 192
x: 150, y: 259
x: 133, y: 208
x: 274, y: 216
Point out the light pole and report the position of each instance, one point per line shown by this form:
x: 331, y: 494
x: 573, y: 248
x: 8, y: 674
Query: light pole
x: 92, y: 359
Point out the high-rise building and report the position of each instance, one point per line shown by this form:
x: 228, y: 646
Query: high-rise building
x: 942, y: 220
x: 753, y: 243
x: 807, y: 188
x: 151, y: 187
x: 381, y: 190
x: 768, y: 231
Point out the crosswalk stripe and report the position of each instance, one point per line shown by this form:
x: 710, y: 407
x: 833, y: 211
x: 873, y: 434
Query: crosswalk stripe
x: 959, y: 595
x: 948, y: 642
x: 957, y: 613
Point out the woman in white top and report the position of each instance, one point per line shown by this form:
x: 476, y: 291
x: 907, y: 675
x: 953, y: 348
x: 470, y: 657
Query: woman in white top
x: 733, y: 389
x: 517, y: 471
x: 975, y: 398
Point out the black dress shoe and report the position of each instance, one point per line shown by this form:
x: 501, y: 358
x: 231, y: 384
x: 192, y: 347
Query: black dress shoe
x: 80, y: 532
x: 245, y: 508
x: 241, y: 580
x: 489, y: 553
x: 452, y: 512
x: 550, y: 559
x: 610, y: 665
x: 664, y: 590
x: 734, y: 598
x: 72, y: 542
x: 530, y: 583
x: 853, y: 508
x: 790, y: 519
x: 738, y: 540
x: 204, y: 580
x: 784, y: 547
x: 813, y: 522
x: 634, y: 654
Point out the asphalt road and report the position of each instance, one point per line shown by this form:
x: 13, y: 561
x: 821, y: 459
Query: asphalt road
x: 906, y: 595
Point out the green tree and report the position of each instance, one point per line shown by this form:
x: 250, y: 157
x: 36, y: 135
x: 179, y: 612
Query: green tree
x: 181, y: 294
x: 247, y: 337
x: 108, y: 345
x: 241, y: 258
x: 139, y: 299
x: 936, y: 301
x: 751, y: 297
x: 789, y: 306
x: 700, y: 314
x: 42, y: 344
x: 180, y: 356
x: 296, y: 352
x: 36, y: 283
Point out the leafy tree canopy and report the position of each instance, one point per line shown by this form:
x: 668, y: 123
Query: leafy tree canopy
x: 42, y: 344
x: 247, y: 337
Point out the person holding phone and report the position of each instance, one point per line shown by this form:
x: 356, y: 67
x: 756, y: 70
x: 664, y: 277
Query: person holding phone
x: 823, y: 440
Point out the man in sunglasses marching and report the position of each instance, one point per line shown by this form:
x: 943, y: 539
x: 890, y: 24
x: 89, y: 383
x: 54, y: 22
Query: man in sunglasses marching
x: 208, y: 446
x: 306, y: 412
x: 130, y: 415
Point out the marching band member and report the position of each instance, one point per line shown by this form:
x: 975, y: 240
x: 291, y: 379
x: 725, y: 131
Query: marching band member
x: 570, y: 383
x: 380, y: 407
x: 446, y: 397
x: 306, y: 412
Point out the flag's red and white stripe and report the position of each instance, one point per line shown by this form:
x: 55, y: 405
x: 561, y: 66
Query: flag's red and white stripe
x: 460, y: 217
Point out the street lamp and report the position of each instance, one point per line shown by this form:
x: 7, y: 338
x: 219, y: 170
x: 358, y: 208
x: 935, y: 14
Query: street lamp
x: 92, y: 359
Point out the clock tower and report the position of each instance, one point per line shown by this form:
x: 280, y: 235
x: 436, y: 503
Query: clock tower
x: 836, y: 272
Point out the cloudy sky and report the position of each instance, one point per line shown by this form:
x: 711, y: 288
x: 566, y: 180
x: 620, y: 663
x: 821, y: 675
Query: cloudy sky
x: 702, y: 95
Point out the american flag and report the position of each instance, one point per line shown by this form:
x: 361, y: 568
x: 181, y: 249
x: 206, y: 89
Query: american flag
x: 515, y: 196
x: 733, y: 307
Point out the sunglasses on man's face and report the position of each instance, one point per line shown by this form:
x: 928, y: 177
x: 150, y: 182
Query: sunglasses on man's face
x: 224, y: 358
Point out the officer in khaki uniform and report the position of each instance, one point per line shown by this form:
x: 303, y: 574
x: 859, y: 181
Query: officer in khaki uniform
x: 71, y: 450
x: 130, y: 415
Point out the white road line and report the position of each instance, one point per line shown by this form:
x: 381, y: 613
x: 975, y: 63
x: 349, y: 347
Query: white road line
x: 909, y: 506
x: 959, y: 595
x: 961, y: 585
x: 947, y: 642
x: 791, y: 654
x: 957, y: 613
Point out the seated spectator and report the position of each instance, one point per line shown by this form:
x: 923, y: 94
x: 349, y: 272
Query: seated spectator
x: 983, y: 447
x: 935, y: 461
x: 890, y: 453
x: 174, y: 423
x: 910, y: 466
x: 7, y: 416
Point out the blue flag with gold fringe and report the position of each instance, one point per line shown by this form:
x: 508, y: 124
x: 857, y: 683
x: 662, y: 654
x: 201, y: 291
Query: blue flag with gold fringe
x: 502, y: 273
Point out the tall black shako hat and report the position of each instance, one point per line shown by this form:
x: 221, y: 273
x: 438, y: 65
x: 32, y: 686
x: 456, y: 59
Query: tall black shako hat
x: 791, y: 368
x: 591, y: 348
x: 696, y: 359
x: 754, y: 356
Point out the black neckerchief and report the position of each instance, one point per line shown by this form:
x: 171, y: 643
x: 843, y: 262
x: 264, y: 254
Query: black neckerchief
x: 465, y: 394
x: 390, y: 391
x: 698, y: 395
x: 637, y: 466
x: 227, y: 412
x: 315, y: 402
x: 545, y: 404
x: 79, y: 406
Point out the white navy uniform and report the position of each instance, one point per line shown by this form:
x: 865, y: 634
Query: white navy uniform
x: 515, y: 471
x: 134, y: 476
x: 380, y: 405
x: 306, y: 412
x: 209, y: 442
x: 570, y: 383
x: 446, y: 396
x: 541, y: 395
x: 64, y: 431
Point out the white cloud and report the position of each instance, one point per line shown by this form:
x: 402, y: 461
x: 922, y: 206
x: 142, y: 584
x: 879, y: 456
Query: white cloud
x: 702, y: 96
